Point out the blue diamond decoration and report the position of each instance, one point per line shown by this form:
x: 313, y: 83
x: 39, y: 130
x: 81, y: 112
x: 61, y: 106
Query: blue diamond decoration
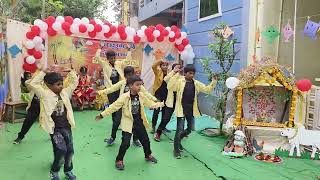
x: 170, y: 57
x: 148, y: 49
x: 14, y: 50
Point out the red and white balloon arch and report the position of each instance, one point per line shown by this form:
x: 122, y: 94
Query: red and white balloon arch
x: 97, y: 29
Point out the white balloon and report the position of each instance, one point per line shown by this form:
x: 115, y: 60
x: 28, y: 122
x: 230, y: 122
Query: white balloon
x: 60, y: 19
x: 39, y: 47
x: 37, y: 40
x: 30, y: 60
x: 105, y: 28
x: 90, y: 27
x: 85, y: 20
x: 37, y: 22
x: 29, y: 44
x: 98, y: 21
x: 76, y: 21
x: 156, y: 33
x: 140, y: 33
x: 127, y: 30
x: 171, y: 34
x: 43, y: 26
x: 188, y: 47
x: 184, y: 35
x: 43, y: 35
x: 56, y: 26
x: 168, y: 28
x: 232, y: 82
x: 143, y: 27
x: 178, y: 41
x: 74, y: 28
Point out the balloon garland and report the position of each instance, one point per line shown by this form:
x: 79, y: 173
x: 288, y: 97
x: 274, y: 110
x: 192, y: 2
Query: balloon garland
x: 95, y: 28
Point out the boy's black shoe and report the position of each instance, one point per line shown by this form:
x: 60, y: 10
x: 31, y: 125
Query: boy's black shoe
x: 151, y: 159
x: 54, y: 176
x: 17, y: 141
x: 70, y: 176
x: 177, y: 154
x: 120, y: 165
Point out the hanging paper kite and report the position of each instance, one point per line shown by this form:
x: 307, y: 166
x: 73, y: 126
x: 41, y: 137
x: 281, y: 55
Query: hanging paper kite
x: 311, y: 29
x: 14, y: 51
x: 271, y: 33
x: 170, y: 57
x: 258, y: 36
x: 158, y: 54
x: 148, y: 49
x: 287, y: 32
x: 226, y: 32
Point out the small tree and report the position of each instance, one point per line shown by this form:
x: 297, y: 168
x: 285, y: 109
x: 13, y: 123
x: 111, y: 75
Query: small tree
x: 224, y: 54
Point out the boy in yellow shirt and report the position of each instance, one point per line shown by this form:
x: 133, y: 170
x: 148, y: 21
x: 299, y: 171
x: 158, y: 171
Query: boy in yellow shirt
x: 186, y: 107
x: 56, y: 117
x: 133, y: 119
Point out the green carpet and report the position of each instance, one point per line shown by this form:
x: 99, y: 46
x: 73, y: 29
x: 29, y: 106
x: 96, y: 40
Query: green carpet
x: 94, y: 161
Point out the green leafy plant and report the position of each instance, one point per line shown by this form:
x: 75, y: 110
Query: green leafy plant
x: 223, y: 54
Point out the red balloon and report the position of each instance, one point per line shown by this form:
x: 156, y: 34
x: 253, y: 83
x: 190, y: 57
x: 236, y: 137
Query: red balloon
x: 113, y: 29
x: 164, y: 32
x: 107, y: 23
x: 304, y: 85
x: 30, y: 35
x: 136, y: 39
x: 121, y: 29
x: 66, y: 26
x: 51, y: 31
x: 181, y: 47
x: 82, y: 28
x: 68, y: 32
x: 92, y: 34
x: 152, y: 28
x: 151, y: 38
x: 148, y: 32
x: 123, y: 36
x: 160, y: 38
x: 172, y: 39
x: 107, y: 35
x: 29, y: 67
x: 37, y: 54
x: 93, y: 22
x: 50, y: 20
x: 31, y: 51
x: 174, y: 28
x: 35, y: 30
x: 178, y: 34
x: 185, y: 42
x: 159, y: 27
x: 97, y: 28
x: 68, y: 19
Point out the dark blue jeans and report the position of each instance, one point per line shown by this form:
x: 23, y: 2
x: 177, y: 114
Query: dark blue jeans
x: 181, y: 132
x: 62, y: 149
x: 32, y: 115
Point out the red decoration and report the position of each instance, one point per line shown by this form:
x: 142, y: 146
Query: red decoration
x: 50, y: 20
x: 29, y: 67
x: 93, y: 22
x: 148, y: 32
x: 172, y: 39
x: 181, y: 47
x: 304, y: 85
x: 121, y: 29
x: 92, y: 34
x: 107, y: 35
x: 35, y: 30
x: 178, y: 34
x: 136, y: 39
x: 97, y: 28
x: 30, y: 35
x: 160, y: 38
x: 68, y: 32
x: 31, y: 51
x: 66, y: 26
x: 152, y: 28
x: 164, y: 32
x: 185, y: 42
x: 113, y: 29
x: 159, y: 27
x: 51, y: 31
x: 82, y: 28
x: 174, y: 28
x: 151, y: 38
x: 37, y: 54
x: 123, y: 36
x: 68, y: 19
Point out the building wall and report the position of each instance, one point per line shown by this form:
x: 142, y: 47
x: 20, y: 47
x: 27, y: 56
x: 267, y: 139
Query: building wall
x: 234, y: 13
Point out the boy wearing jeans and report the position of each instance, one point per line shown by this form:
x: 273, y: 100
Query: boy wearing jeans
x: 56, y: 117
x: 186, y: 108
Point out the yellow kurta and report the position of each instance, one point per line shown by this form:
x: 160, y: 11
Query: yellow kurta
x: 158, y: 76
x: 107, y: 70
x: 49, y: 100
x: 121, y: 86
x: 177, y: 84
x: 124, y: 102
x: 170, y: 97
